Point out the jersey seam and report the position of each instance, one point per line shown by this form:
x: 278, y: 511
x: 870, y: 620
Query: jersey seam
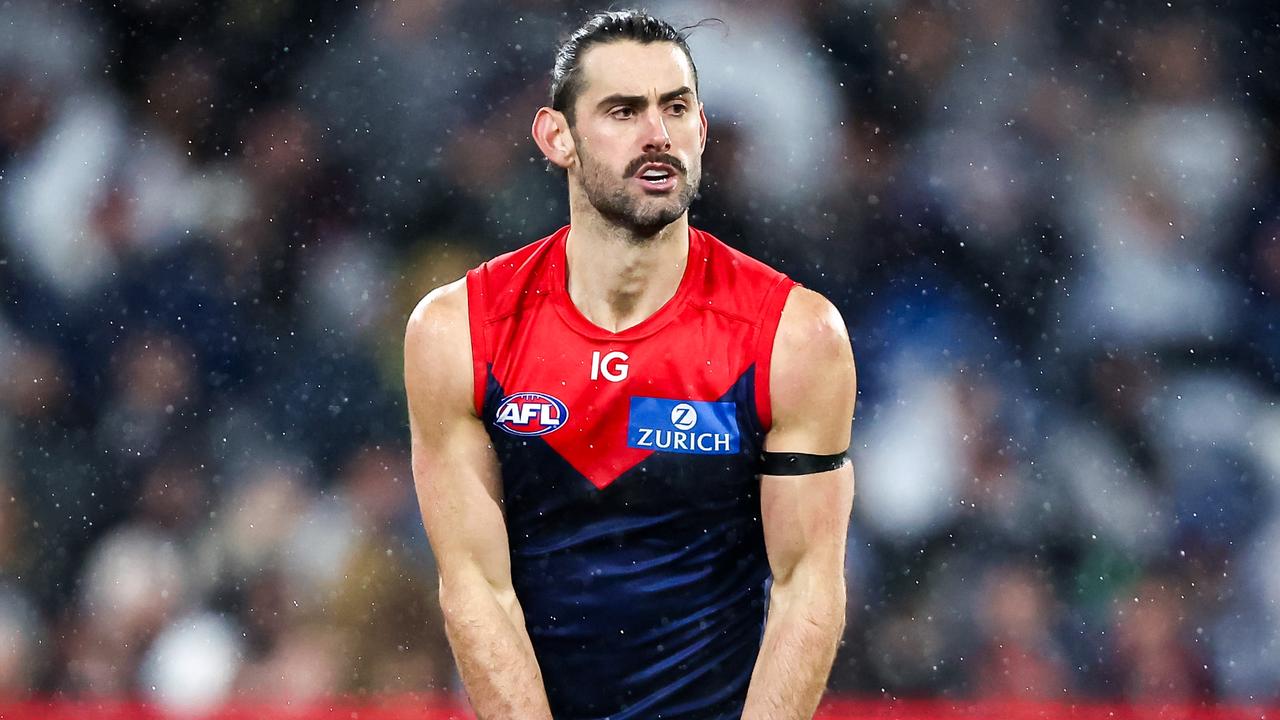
x: 523, y: 305
x: 753, y: 322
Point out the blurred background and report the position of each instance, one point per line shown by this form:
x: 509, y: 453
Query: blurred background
x: 1053, y: 229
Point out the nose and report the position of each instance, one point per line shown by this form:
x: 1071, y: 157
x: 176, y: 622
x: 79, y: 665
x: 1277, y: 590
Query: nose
x: 656, y: 138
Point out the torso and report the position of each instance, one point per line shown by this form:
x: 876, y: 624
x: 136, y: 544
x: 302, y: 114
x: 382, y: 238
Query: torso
x: 627, y: 458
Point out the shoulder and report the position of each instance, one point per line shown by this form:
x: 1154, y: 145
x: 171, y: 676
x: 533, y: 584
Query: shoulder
x: 439, y: 313
x: 437, y: 346
x: 812, y: 373
x: 812, y: 325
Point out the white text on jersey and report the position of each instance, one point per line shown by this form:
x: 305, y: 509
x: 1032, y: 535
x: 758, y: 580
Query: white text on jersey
x: 613, y: 366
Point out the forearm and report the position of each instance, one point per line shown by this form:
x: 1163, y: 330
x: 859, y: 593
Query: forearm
x: 494, y: 654
x: 801, y: 635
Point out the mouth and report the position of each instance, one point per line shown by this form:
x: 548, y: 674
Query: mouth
x: 657, y: 177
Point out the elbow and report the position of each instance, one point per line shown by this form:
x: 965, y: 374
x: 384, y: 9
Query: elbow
x: 820, y: 602
x: 833, y: 610
x: 827, y: 615
x: 840, y: 611
x: 452, y: 605
x: 821, y: 621
x: 466, y: 599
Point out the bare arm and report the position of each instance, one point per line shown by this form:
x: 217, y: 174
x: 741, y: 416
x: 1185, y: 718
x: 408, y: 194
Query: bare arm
x: 459, y: 491
x: 805, y: 517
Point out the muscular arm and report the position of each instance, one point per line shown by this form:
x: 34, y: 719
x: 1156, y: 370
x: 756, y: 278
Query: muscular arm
x: 459, y: 491
x: 805, y: 517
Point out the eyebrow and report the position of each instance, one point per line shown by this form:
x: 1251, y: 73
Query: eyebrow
x: 640, y: 101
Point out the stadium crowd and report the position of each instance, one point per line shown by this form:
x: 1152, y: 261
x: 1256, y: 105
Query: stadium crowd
x: 1053, y: 229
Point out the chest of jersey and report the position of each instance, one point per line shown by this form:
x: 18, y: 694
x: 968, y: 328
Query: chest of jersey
x: 604, y: 405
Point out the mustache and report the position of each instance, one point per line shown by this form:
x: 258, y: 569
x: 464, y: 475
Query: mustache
x: 634, y: 166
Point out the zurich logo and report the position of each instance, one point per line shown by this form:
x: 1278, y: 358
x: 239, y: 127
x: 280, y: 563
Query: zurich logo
x: 698, y: 427
x: 530, y: 413
x: 684, y: 417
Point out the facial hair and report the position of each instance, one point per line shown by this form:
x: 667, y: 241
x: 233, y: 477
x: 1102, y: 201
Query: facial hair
x: 643, y: 216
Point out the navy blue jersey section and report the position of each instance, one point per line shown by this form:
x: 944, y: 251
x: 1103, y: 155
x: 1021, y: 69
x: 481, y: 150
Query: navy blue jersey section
x: 644, y: 599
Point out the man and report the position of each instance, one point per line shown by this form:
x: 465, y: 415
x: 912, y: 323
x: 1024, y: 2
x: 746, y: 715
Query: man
x: 623, y: 430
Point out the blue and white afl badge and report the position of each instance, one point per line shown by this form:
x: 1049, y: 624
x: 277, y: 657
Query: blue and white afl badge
x: 530, y: 413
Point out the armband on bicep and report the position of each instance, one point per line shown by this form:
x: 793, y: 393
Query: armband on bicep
x: 782, y: 463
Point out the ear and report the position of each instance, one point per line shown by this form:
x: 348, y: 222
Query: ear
x: 551, y: 133
x: 702, y: 131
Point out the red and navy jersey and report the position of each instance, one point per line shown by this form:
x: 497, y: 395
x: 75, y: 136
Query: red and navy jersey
x: 628, y: 468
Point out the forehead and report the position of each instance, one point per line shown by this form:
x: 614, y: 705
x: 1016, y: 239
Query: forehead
x: 630, y: 68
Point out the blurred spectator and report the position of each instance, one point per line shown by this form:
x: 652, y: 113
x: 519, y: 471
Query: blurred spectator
x: 386, y: 116
x: 191, y: 665
x: 1020, y: 658
x: 1159, y: 189
x: 134, y: 581
x: 385, y: 603
x: 1153, y: 661
x: 153, y: 381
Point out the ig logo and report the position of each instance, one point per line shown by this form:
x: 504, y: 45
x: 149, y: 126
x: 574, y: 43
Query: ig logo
x: 613, y: 366
x: 683, y: 416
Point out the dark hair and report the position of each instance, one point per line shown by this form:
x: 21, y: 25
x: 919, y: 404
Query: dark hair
x: 606, y: 27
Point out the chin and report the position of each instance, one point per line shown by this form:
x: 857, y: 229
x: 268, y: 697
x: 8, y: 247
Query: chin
x: 664, y: 209
x: 653, y: 220
x: 645, y: 215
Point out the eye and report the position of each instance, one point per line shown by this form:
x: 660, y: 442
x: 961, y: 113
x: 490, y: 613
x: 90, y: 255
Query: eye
x: 622, y: 113
x: 678, y: 109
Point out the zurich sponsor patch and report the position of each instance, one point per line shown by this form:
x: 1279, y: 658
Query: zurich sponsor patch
x: 530, y: 413
x: 683, y: 426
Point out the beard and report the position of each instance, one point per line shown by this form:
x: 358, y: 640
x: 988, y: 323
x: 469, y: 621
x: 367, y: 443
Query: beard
x: 644, y: 215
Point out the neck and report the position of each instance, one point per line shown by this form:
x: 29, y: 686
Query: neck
x: 616, y: 279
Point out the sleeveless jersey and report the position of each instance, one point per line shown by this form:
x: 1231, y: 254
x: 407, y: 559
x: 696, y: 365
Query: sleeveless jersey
x: 628, y: 470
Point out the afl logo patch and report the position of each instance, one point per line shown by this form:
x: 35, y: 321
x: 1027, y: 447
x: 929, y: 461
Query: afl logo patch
x: 530, y: 413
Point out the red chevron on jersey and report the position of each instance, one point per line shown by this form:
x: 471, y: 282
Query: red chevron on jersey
x: 605, y: 401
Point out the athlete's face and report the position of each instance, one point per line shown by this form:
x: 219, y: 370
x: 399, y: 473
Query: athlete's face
x: 638, y: 131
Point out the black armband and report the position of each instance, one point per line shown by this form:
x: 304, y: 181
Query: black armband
x: 781, y: 463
